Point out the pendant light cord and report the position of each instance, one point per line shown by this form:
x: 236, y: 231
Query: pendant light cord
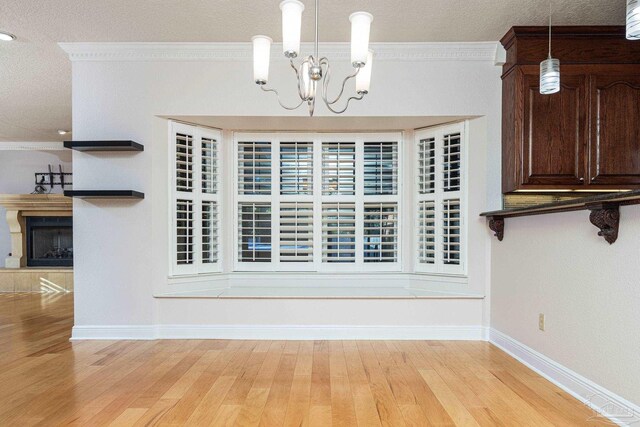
x: 549, y: 29
x: 316, y: 47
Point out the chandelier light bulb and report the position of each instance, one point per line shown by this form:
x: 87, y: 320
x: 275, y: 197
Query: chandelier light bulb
x: 360, y: 28
x: 550, y: 76
x: 363, y: 79
x: 261, y: 57
x: 633, y: 20
x: 291, y: 27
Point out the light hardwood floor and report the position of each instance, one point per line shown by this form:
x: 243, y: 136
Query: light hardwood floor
x: 47, y: 380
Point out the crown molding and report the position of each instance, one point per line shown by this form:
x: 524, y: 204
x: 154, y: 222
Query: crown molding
x: 32, y: 146
x: 99, y: 52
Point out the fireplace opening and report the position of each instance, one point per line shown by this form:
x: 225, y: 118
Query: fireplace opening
x: 49, y: 241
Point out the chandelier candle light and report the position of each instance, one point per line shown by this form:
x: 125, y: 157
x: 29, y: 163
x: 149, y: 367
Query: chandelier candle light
x: 633, y: 20
x: 315, y: 69
x: 550, y: 70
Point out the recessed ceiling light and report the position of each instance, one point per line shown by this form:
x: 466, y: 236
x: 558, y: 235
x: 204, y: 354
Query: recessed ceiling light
x: 63, y: 132
x: 6, y: 37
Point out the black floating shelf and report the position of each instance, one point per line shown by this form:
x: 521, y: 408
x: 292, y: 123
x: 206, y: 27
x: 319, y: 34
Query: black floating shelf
x: 104, y: 194
x: 104, y: 145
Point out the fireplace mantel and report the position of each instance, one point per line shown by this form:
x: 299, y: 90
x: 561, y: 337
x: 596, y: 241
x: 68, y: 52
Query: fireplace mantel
x: 20, y: 206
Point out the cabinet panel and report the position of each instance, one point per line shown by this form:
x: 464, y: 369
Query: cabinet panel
x: 614, y: 152
x: 555, y: 132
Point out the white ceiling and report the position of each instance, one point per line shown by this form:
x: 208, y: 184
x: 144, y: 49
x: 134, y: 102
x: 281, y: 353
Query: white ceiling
x: 35, y: 75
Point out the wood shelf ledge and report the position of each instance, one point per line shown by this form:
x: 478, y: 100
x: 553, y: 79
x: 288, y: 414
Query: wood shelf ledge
x: 104, y: 194
x: 605, y: 212
x: 104, y: 146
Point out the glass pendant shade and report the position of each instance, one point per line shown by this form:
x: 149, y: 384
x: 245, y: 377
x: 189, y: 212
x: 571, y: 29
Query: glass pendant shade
x: 291, y: 27
x: 633, y: 20
x: 550, y: 76
x: 360, y: 28
x: 363, y: 79
x: 261, y: 56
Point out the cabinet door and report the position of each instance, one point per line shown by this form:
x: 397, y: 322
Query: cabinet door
x: 614, y: 150
x: 554, y: 133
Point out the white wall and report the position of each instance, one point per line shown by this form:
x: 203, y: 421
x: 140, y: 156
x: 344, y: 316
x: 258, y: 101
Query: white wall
x: 16, y: 177
x: 588, y: 290
x: 121, y: 248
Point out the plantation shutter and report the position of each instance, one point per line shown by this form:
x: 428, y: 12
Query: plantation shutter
x: 380, y: 168
x: 254, y: 232
x: 339, y: 232
x: 196, y: 219
x: 338, y: 168
x: 451, y: 232
x: 209, y: 232
x: 380, y: 232
x: 254, y: 167
x: 209, y: 165
x: 426, y: 232
x: 439, y: 200
x: 451, y: 162
x: 184, y: 232
x: 296, y: 167
x: 427, y: 165
x: 184, y: 162
x: 296, y: 232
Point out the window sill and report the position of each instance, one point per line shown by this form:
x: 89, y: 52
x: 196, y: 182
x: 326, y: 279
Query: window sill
x: 321, y: 293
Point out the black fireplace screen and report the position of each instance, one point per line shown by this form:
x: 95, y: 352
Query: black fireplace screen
x: 49, y: 241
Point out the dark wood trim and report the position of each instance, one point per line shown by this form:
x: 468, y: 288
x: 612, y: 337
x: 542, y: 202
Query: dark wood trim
x: 604, y: 214
x: 496, y: 224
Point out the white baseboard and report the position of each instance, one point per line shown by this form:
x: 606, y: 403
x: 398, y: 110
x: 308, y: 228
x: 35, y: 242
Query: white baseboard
x: 602, y: 401
x: 285, y: 332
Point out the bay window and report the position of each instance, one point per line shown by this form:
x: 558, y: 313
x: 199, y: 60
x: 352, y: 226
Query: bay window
x: 318, y: 202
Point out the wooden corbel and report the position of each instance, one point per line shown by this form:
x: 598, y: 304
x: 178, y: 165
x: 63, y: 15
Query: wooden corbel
x: 605, y: 216
x: 496, y: 224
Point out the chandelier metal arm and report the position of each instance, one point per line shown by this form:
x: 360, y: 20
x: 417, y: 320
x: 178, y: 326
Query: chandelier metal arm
x: 279, y: 101
x: 295, y: 69
x: 353, y: 98
x: 327, y: 78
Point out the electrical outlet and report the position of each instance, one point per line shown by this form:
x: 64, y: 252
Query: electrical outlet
x: 541, y: 321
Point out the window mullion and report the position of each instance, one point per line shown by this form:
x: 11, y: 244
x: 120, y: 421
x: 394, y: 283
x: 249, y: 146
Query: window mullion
x: 439, y: 185
x: 359, y: 201
x: 275, y: 203
x: 317, y: 202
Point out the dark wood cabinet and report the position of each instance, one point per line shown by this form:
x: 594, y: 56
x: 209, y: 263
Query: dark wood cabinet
x: 614, y: 157
x: 554, y: 137
x: 587, y: 136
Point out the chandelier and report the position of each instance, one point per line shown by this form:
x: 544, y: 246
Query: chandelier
x: 313, y: 69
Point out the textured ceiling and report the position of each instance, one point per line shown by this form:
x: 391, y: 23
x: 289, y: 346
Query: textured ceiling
x: 35, y: 75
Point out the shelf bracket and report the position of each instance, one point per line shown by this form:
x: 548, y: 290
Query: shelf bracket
x: 496, y: 224
x: 605, y: 216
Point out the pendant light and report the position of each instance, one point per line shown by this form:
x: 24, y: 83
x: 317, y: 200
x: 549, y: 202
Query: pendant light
x: 633, y: 20
x: 550, y: 70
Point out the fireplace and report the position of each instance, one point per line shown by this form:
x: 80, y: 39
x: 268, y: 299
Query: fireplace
x: 49, y: 241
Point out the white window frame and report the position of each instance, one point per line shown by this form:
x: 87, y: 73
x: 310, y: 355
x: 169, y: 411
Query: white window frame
x: 197, y: 197
x: 275, y: 198
x: 439, y: 196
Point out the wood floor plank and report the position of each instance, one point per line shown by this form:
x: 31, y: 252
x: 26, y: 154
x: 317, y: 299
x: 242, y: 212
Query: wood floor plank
x: 47, y: 380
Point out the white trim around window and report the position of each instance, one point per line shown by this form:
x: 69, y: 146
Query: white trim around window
x: 328, y: 171
x: 194, y: 159
x: 441, y: 182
